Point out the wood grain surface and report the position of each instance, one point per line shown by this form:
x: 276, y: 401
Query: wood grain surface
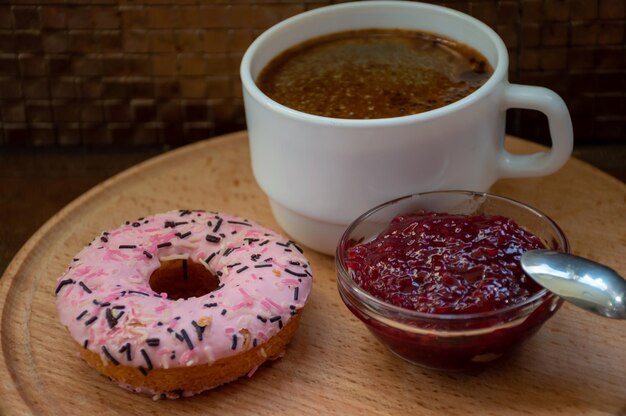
x: 574, y: 365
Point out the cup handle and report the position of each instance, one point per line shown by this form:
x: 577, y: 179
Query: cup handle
x: 561, y: 132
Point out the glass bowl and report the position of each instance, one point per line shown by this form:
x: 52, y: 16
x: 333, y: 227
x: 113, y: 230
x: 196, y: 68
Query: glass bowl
x: 453, y: 341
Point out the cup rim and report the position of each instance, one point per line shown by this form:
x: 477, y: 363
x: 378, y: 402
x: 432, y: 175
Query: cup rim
x: 366, y: 298
x: 249, y: 84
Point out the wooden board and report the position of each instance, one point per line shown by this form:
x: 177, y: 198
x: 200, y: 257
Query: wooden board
x: 574, y: 365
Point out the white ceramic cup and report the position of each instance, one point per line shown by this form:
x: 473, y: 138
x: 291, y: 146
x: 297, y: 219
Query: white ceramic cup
x: 321, y: 173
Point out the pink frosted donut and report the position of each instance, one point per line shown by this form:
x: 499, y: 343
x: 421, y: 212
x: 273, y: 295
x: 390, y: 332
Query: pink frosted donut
x: 254, y: 282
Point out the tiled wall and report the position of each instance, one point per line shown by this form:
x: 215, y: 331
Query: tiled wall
x: 145, y: 72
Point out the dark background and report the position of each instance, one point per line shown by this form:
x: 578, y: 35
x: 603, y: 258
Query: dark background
x: 127, y: 73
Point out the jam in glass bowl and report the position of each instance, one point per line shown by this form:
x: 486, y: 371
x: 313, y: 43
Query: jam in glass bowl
x: 436, y: 276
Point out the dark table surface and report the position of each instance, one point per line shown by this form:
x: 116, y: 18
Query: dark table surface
x: 35, y: 184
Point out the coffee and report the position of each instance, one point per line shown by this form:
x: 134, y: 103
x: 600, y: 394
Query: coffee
x: 373, y: 73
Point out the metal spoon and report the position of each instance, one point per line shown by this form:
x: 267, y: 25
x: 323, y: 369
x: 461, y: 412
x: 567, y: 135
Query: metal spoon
x: 585, y: 283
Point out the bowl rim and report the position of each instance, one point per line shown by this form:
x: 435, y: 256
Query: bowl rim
x: 366, y: 298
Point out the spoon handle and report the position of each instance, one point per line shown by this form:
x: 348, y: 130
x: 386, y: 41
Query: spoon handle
x: 583, y: 282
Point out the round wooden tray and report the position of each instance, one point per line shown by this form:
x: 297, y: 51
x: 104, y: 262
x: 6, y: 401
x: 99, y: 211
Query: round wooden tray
x: 574, y: 365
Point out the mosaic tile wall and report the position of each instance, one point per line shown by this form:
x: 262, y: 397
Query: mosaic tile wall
x: 165, y: 72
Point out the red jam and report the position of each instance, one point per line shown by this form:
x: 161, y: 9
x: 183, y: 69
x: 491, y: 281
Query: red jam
x: 446, y: 264
x: 449, y: 264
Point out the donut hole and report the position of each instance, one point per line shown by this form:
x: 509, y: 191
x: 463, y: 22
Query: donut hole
x: 183, y: 279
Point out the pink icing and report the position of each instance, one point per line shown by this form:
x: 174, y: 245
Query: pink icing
x: 105, y: 300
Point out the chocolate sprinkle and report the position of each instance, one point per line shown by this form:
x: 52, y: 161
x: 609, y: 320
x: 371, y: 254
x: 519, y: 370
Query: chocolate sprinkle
x: 85, y: 343
x: 240, y: 223
x: 148, y: 255
x: 187, y: 339
x: 80, y: 316
x: 126, y: 348
x: 242, y: 269
x: 275, y: 318
x: 181, y: 236
x: 109, y: 356
x: 230, y: 266
x: 143, y: 371
x: 295, y: 273
x: 199, y: 329
x: 167, y: 244
x: 84, y: 286
x: 138, y: 293
x: 91, y: 320
x: 208, y: 259
x: 260, y: 318
x: 136, y: 224
x: 127, y: 246
x: 146, y: 359
x: 119, y: 307
x: 296, y: 291
x: 213, y: 238
x: 111, y: 320
x: 153, y: 342
x: 63, y: 283
x: 218, y: 225
x: 264, y: 242
x: 223, y: 312
x: 296, y: 246
x: 234, y: 346
x: 176, y: 334
x: 254, y: 342
x: 104, y: 239
x: 259, y: 266
x: 210, y: 305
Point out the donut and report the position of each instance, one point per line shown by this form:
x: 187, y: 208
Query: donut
x: 181, y: 302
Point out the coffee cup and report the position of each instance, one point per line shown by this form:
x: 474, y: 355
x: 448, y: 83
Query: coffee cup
x: 320, y: 173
